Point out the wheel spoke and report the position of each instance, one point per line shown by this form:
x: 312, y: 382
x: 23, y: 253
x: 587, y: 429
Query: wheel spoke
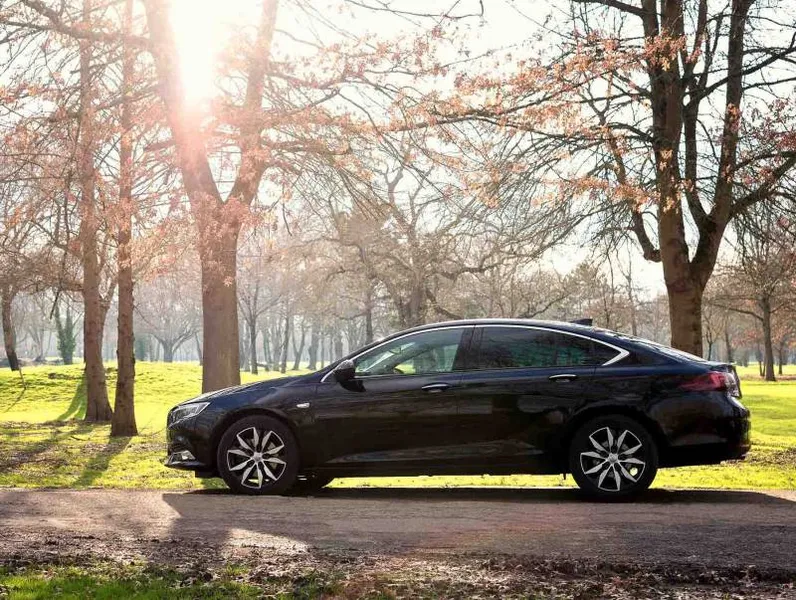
x: 260, y: 476
x: 268, y: 472
x: 632, y: 461
x: 242, y: 443
x: 595, y: 469
x: 275, y: 449
x: 596, y: 444
x: 617, y: 478
x: 255, y: 439
x: 621, y: 440
x: 274, y: 460
x: 632, y: 450
x: 239, y: 452
x: 602, y: 477
x: 266, y: 437
x: 626, y: 473
x: 245, y: 477
x: 239, y: 466
x: 610, y: 438
x: 597, y: 455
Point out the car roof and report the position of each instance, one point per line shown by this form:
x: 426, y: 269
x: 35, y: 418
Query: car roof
x: 561, y: 325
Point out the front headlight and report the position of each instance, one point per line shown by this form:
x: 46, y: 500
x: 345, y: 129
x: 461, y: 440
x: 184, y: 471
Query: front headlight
x: 185, y: 411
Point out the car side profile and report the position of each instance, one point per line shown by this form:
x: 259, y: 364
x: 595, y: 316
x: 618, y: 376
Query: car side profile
x: 490, y: 396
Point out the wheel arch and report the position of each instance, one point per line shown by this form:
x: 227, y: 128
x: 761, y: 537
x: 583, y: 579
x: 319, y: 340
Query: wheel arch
x: 591, y: 412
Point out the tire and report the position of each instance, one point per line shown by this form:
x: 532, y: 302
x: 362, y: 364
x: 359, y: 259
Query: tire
x: 622, y: 471
x: 310, y: 484
x: 258, y: 455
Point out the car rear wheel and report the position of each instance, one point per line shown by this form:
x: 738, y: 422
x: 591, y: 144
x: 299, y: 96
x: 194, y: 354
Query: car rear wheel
x: 613, y: 457
x: 258, y: 455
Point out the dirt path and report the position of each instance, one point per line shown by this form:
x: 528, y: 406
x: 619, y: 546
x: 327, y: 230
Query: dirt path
x: 686, y: 527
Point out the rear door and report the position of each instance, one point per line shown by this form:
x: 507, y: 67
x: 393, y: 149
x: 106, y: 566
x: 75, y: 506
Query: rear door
x: 519, y: 387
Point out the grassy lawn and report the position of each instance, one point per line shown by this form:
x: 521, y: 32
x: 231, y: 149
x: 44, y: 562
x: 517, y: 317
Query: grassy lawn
x: 112, y: 580
x: 43, y: 443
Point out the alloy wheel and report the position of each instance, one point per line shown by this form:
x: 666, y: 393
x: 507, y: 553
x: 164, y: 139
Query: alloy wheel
x: 256, y: 457
x: 616, y: 459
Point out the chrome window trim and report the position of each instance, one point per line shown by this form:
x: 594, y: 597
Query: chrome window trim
x: 622, y: 353
x: 387, y: 341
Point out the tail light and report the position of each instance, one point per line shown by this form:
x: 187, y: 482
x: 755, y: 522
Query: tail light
x: 714, y: 381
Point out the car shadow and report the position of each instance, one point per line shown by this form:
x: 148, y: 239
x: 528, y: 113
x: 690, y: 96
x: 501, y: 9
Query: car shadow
x: 526, y: 521
x: 541, y: 495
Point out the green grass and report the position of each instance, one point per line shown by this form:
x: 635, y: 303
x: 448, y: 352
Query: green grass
x: 144, y: 582
x: 43, y: 443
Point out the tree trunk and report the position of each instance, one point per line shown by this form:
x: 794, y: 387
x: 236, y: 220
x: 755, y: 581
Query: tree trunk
x: 220, y: 313
x: 685, y: 316
x: 9, y: 333
x: 198, y: 347
x: 768, y: 346
x: 782, y: 353
x: 312, y: 351
x: 286, y: 339
x: 728, y: 344
x: 98, y: 409
x: 338, y: 344
x: 266, y: 348
x: 253, y: 345
x: 369, y: 315
x: 168, y: 351
x: 123, y: 422
x: 300, y: 351
x: 243, y: 347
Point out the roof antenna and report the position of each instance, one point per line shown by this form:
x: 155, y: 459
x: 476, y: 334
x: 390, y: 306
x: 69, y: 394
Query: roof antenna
x: 587, y: 321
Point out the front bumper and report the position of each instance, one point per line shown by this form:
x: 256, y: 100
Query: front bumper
x: 183, y: 449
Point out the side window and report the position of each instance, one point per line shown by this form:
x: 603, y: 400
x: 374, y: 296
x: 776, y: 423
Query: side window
x: 576, y: 351
x: 418, y: 354
x: 519, y: 347
x: 516, y: 347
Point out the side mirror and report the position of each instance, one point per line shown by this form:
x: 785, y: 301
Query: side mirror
x: 344, y: 371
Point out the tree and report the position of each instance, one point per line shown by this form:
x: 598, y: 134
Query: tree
x: 20, y: 261
x: 123, y: 421
x: 762, y: 282
x: 66, y: 332
x: 414, y: 229
x: 169, y: 307
x: 642, y: 113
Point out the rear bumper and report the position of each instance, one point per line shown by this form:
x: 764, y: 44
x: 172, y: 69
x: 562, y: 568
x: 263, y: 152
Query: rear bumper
x: 730, y: 441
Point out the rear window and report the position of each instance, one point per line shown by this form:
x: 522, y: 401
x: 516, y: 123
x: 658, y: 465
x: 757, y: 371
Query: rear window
x: 656, y: 347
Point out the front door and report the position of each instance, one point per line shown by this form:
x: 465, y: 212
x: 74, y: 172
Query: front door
x: 400, y: 411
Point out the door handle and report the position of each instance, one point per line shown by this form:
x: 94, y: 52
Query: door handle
x: 435, y: 388
x: 563, y: 377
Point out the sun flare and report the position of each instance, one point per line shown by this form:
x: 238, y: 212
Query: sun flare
x: 198, y: 33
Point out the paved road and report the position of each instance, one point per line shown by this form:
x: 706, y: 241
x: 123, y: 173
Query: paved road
x: 704, y: 527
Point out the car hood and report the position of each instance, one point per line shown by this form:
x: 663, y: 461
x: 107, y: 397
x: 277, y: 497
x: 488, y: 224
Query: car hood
x: 255, y: 386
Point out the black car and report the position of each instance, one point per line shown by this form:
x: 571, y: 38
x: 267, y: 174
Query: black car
x: 490, y: 396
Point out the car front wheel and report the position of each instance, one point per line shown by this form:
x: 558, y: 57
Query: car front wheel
x: 613, y: 457
x: 258, y: 455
